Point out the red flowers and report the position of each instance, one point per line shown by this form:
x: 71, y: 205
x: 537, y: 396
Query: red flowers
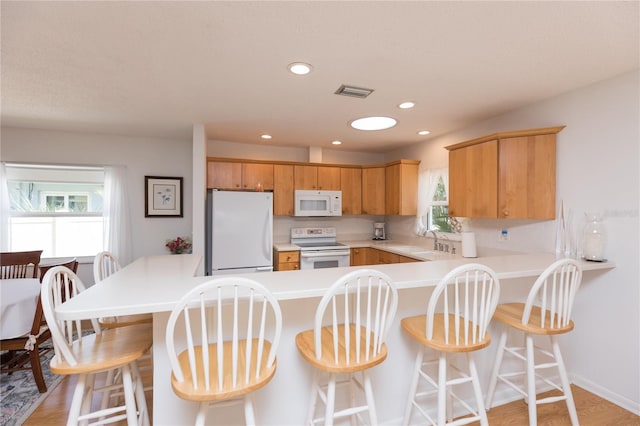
x: 179, y: 245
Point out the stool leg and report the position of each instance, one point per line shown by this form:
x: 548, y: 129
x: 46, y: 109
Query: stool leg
x: 202, y: 413
x: 331, y: 400
x: 531, y: 382
x: 475, y: 382
x: 496, y: 368
x: 77, y: 400
x: 413, y: 387
x: 373, y: 417
x: 129, y: 395
x: 249, y: 415
x: 442, y: 388
x: 566, y: 386
x: 141, y: 402
x: 314, y: 397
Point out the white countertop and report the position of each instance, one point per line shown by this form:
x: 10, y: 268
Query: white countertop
x: 156, y: 283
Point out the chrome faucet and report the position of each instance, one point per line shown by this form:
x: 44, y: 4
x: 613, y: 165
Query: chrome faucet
x: 435, y: 239
x: 446, y: 245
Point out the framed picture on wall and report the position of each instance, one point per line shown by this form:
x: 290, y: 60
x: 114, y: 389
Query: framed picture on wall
x: 162, y: 196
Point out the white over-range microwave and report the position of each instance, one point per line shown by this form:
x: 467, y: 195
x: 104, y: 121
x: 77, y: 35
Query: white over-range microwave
x: 317, y: 203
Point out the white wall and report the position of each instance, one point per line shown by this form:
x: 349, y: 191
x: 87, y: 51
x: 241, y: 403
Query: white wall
x: 597, y: 169
x: 142, y: 157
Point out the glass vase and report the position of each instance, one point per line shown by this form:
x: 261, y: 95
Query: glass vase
x: 594, y: 237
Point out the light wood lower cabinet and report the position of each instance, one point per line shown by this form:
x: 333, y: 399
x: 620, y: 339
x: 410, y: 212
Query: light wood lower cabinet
x: 363, y: 256
x: 286, y: 260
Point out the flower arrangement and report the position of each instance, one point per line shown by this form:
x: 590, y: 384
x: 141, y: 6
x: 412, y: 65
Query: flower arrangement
x: 179, y: 245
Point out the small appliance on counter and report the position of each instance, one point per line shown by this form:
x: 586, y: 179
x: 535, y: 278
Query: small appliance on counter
x: 378, y: 231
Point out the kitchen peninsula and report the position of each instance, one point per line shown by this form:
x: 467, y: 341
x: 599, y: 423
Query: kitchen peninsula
x: 154, y: 284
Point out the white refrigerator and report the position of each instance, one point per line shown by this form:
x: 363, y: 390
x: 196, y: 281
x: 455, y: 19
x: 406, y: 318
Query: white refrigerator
x: 239, y: 228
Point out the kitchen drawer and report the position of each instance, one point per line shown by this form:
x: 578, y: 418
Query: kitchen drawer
x: 288, y: 256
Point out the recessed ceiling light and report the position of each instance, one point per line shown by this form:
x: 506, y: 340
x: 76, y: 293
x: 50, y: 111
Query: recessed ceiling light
x: 406, y: 105
x: 336, y: 142
x: 373, y: 123
x: 265, y: 136
x: 423, y: 132
x: 300, y: 68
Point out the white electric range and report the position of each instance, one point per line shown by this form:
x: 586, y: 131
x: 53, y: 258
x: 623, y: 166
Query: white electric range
x: 319, y: 248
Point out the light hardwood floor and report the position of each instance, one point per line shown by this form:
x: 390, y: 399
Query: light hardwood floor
x: 592, y: 410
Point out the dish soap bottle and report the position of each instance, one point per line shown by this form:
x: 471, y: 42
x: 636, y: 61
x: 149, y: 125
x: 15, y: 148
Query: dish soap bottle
x: 594, y: 238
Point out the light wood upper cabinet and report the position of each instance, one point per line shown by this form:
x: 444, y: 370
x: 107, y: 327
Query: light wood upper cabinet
x: 373, y: 190
x: 351, y: 186
x: 326, y: 178
x: 401, y: 189
x: 283, y: 190
x: 237, y: 175
x: 473, y: 180
x: 255, y: 174
x: 224, y: 175
x: 504, y: 175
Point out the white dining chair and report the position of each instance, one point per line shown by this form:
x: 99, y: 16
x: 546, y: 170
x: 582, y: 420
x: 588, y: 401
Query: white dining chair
x: 85, y: 353
x: 547, y: 312
x: 232, y: 328
x: 348, y: 339
x: 457, y: 318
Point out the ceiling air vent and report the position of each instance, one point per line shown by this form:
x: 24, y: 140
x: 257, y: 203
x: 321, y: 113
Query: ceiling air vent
x: 356, y: 92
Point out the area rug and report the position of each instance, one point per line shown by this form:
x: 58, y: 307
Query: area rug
x: 19, y: 395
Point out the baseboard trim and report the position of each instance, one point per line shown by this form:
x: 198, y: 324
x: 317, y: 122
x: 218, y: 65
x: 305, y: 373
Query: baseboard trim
x: 607, y: 394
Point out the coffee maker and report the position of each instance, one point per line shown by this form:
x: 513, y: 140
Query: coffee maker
x: 378, y: 231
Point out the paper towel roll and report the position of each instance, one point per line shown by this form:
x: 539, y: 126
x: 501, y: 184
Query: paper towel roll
x: 469, y: 244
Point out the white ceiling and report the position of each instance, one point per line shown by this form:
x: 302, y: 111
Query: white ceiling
x: 156, y: 68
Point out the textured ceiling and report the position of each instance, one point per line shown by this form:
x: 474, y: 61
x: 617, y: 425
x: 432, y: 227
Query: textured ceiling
x: 156, y: 68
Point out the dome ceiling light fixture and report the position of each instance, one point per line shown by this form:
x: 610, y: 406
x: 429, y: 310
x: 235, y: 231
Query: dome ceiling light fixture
x: 373, y: 123
x: 336, y: 142
x: 265, y: 137
x: 407, y: 105
x: 423, y: 132
x: 299, y: 68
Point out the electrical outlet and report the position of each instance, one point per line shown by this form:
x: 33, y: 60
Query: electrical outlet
x: 504, y: 235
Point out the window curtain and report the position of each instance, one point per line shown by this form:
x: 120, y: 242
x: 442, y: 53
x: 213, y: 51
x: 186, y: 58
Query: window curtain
x: 427, y: 185
x: 117, y: 222
x: 4, y: 209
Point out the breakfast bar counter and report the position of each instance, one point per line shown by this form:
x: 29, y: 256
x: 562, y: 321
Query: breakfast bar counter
x: 154, y: 284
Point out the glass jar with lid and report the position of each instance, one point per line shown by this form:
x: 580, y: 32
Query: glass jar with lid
x: 594, y: 237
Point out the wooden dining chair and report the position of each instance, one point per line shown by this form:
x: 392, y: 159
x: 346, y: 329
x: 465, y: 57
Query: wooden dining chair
x: 19, y: 264
x: 456, y: 321
x: 547, y: 312
x: 232, y: 328
x: 348, y: 339
x: 24, y: 352
x: 86, y: 353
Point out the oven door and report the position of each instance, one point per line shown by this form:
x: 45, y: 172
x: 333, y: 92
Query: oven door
x: 317, y: 259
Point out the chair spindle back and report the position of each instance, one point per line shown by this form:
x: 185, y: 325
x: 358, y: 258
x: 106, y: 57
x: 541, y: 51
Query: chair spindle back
x: 16, y: 264
x: 555, y: 291
x: 467, y: 296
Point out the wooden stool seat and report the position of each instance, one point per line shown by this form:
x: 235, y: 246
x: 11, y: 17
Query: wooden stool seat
x: 126, y: 320
x: 107, y: 350
x: 187, y: 390
x: 416, y: 327
x: 511, y: 315
x: 306, y: 347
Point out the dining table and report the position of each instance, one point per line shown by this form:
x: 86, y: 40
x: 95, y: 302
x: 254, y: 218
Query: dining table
x: 154, y: 284
x: 18, y: 302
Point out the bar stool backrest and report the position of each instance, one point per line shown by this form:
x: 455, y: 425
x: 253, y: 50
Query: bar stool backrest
x: 554, y: 293
x: 467, y: 297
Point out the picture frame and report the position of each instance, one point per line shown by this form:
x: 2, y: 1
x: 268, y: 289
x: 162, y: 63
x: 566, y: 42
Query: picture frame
x: 163, y: 196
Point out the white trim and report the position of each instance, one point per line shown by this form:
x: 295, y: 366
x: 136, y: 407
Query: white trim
x: 605, y: 393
